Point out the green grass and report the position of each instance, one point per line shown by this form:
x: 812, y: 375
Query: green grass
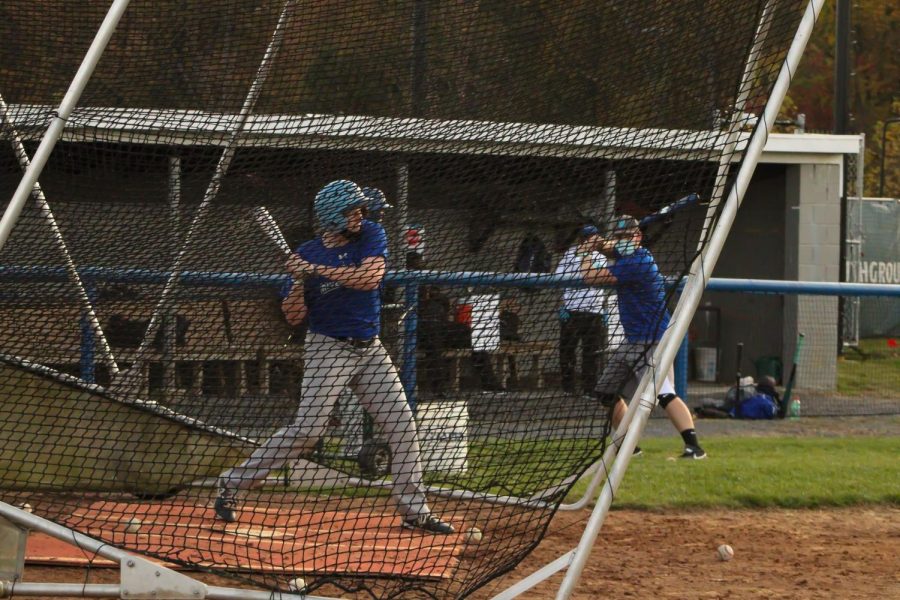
x: 519, y: 467
x: 741, y: 472
x: 763, y: 472
x: 872, y: 368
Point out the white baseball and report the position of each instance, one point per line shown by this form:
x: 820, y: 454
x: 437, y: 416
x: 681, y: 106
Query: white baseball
x: 133, y: 525
x: 725, y: 552
x: 27, y: 508
x: 473, y: 534
x: 297, y: 585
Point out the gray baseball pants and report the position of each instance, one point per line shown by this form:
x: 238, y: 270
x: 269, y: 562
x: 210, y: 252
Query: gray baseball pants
x: 625, y: 366
x: 330, y: 365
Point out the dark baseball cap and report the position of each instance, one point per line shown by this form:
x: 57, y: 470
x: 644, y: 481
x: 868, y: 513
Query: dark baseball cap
x: 588, y: 230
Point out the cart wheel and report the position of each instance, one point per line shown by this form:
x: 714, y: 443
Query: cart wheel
x: 375, y: 458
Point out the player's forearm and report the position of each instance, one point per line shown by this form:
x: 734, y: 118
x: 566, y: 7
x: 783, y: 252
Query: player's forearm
x: 364, y: 277
x: 594, y: 276
x: 294, y: 306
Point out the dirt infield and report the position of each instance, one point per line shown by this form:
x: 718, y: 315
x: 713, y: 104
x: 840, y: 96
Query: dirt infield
x: 797, y: 554
x: 836, y: 553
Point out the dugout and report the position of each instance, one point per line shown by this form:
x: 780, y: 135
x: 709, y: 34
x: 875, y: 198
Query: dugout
x: 788, y: 226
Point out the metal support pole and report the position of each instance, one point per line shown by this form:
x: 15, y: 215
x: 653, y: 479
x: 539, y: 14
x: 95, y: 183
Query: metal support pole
x: 601, y: 467
x: 88, y: 341
x: 90, y: 323
x: 408, y: 369
x: 212, y: 191
x: 681, y: 370
x: 608, y: 212
x: 737, y: 119
x: 401, y: 219
x: 132, y: 570
x: 33, y: 169
x: 170, y: 331
x: 842, y: 67
x: 68, y: 104
x: 690, y: 298
x: 419, y: 57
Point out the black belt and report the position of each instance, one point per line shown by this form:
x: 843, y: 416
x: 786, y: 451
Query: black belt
x: 356, y: 342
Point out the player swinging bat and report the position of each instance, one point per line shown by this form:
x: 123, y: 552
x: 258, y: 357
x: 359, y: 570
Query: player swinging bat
x: 640, y: 291
x: 337, y: 288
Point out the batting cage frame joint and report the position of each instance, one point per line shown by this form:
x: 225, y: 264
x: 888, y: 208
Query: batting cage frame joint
x: 139, y: 577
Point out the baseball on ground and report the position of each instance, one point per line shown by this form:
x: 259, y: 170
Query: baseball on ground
x: 133, y: 525
x: 726, y: 552
x: 297, y: 585
x: 473, y: 534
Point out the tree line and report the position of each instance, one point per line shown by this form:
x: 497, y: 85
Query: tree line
x: 874, y: 85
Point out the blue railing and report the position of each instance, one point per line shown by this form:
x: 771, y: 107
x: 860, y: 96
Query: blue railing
x: 410, y: 280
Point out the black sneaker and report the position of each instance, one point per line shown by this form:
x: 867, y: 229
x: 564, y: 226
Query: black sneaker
x: 225, y: 506
x: 694, y: 453
x: 428, y: 523
x: 637, y: 451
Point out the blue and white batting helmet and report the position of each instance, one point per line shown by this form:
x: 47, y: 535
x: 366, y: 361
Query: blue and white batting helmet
x: 334, y: 200
x: 375, y: 202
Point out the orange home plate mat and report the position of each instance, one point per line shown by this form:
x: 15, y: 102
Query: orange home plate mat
x: 285, y: 540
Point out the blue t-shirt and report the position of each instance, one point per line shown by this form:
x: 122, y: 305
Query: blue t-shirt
x: 642, y: 296
x: 336, y: 310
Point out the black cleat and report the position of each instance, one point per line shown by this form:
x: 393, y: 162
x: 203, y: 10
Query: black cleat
x: 637, y: 451
x: 693, y: 453
x: 429, y: 523
x: 225, y: 506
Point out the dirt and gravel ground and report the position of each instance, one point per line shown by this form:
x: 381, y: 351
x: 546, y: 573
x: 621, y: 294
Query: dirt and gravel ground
x: 805, y: 554
x: 842, y: 553
x: 845, y: 553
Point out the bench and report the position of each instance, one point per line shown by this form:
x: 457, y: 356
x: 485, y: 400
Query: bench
x: 509, y: 361
x: 211, y: 364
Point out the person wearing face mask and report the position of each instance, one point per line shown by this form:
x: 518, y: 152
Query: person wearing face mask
x: 641, y: 296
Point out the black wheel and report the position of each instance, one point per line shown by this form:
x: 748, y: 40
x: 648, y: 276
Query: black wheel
x: 375, y: 458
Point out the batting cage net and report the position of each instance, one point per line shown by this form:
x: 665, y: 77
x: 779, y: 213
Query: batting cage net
x: 297, y: 294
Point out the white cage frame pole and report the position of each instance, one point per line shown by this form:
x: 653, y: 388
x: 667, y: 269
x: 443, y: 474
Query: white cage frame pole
x: 693, y: 291
x: 44, y: 208
x: 574, y: 561
x: 139, y: 577
x: 54, y: 131
x: 600, y: 469
x: 737, y: 120
x: 215, y: 183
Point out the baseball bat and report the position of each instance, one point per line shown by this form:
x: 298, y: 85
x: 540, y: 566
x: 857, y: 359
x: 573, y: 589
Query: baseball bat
x: 670, y: 209
x: 790, y: 383
x: 270, y: 227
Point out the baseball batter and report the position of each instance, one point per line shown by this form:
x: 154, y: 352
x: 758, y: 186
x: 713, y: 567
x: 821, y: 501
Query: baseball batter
x: 640, y: 292
x: 338, y: 278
